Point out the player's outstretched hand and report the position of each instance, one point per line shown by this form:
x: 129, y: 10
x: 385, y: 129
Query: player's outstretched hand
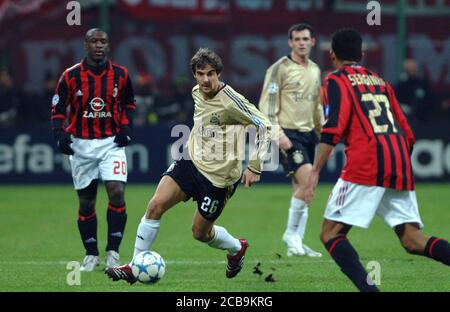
x: 63, y: 143
x: 311, y: 186
x: 123, y: 137
x: 249, y: 177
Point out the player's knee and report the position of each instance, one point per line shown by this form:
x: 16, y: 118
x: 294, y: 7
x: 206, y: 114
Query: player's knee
x: 199, y: 235
x: 325, y: 236
x: 116, y: 194
x: 87, y: 206
x: 155, y: 209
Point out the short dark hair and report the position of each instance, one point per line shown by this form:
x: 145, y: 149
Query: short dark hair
x: 300, y: 27
x: 205, y: 56
x: 91, y: 31
x: 346, y: 43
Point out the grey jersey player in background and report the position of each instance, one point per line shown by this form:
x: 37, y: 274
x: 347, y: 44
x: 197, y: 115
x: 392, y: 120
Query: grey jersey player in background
x: 291, y: 100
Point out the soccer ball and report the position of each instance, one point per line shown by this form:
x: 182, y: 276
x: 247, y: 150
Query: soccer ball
x: 148, y: 267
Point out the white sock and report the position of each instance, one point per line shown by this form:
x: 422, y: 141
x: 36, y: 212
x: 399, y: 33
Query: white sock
x: 223, y: 240
x: 146, y: 235
x: 301, y: 228
x: 294, y: 215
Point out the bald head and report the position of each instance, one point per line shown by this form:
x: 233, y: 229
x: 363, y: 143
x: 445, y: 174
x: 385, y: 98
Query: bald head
x: 96, y: 44
x: 90, y: 33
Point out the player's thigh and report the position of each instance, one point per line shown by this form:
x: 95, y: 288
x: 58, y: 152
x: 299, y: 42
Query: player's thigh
x: 113, y: 164
x: 353, y: 204
x: 302, y: 175
x: 211, y: 200
x: 84, y: 170
x: 399, y: 207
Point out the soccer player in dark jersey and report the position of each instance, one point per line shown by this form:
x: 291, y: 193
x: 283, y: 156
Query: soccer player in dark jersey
x: 92, y: 113
x: 377, y: 177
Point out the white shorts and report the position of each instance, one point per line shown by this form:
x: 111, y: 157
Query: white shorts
x: 97, y: 157
x: 356, y: 204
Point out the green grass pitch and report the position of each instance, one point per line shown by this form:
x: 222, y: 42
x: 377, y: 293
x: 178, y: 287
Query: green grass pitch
x: 39, y: 236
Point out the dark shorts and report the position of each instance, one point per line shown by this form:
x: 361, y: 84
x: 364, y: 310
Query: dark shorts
x: 210, y: 199
x: 302, y: 151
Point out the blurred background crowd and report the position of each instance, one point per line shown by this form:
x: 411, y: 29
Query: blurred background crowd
x: 155, y: 40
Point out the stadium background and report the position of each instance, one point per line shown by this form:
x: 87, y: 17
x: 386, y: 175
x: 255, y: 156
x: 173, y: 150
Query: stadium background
x: 155, y: 40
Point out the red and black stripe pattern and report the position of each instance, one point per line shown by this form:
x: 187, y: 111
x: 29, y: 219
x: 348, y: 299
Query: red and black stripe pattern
x: 95, y: 102
x: 364, y: 112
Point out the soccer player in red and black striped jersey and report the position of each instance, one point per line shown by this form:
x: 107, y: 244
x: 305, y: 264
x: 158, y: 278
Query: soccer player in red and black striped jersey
x: 377, y: 177
x: 92, y: 113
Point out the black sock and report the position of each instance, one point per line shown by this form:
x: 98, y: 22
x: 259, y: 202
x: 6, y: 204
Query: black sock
x: 87, y: 225
x: 347, y: 259
x: 438, y: 249
x: 117, y: 218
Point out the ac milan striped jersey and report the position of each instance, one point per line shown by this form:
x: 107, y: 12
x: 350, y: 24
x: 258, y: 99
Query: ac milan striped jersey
x: 94, y: 100
x: 364, y: 112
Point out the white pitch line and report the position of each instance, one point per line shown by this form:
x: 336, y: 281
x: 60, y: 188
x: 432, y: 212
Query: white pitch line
x: 290, y: 262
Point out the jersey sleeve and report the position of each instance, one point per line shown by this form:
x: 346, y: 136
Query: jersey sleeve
x: 128, y: 103
x: 60, y: 101
x: 61, y: 98
x: 318, y: 116
x: 270, y: 99
x: 400, y: 117
x: 247, y: 114
x: 339, y: 106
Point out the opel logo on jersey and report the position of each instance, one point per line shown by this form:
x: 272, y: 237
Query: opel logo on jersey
x: 97, y: 104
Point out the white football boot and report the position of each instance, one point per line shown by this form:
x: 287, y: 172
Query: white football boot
x: 90, y: 262
x: 294, y: 245
x: 311, y: 253
x: 112, y: 259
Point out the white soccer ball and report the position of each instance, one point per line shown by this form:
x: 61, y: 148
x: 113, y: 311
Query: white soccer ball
x: 148, y: 267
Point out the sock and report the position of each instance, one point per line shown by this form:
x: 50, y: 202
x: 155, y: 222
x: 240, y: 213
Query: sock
x: 294, y: 215
x: 146, y: 235
x: 87, y: 225
x: 347, y: 259
x: 303, y: 219
x: 438, y: 249
x: 223, y: 240
x: 117, y: 218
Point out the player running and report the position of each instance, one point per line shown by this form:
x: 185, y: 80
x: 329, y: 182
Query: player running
x: 211, y: 175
